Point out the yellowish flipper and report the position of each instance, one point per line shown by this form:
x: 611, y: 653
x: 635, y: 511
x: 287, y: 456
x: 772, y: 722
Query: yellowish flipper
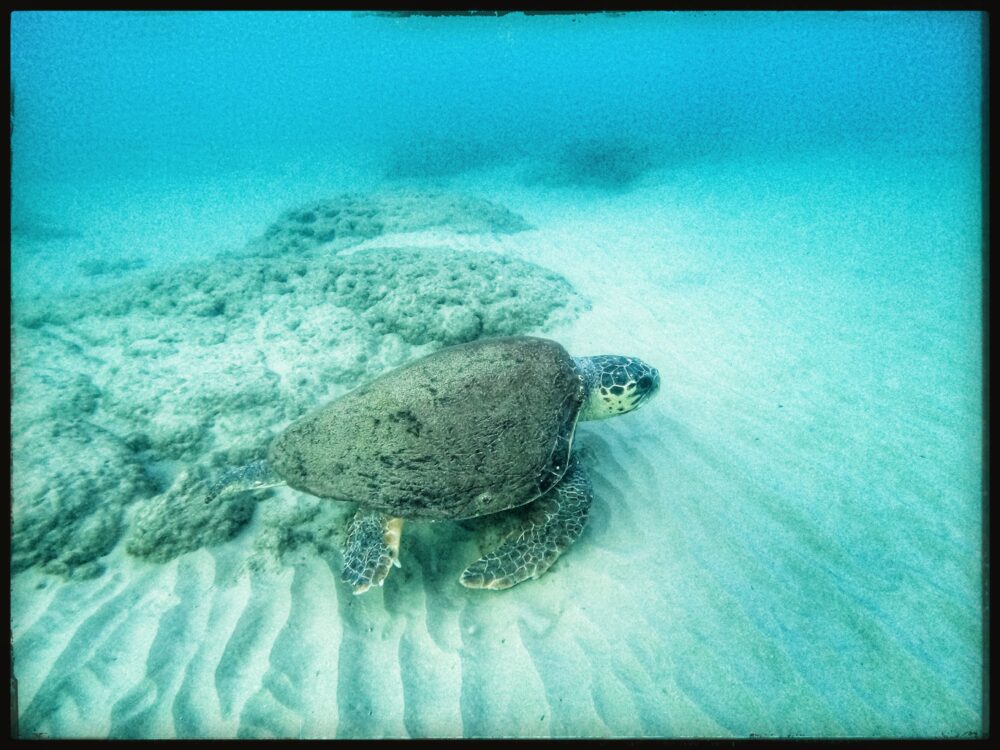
x: 372, y: 549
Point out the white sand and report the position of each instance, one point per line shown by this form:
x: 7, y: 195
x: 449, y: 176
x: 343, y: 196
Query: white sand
x: 786, y: 541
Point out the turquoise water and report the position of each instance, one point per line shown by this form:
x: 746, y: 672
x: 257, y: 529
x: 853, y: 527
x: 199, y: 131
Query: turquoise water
x: 184, y: 92
x: 221, y: 221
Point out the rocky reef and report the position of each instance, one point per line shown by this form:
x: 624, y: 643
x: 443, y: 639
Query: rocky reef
x: 128, y: 399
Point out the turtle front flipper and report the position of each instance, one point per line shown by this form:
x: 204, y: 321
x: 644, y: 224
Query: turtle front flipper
x: 253, y: 476
x: 555, y: 522
x: 372, y: 549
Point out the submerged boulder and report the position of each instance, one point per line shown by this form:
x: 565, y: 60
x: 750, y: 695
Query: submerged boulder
x: 180, y: 520
x: 352, y: 218
x: 71, y: 483
x: 448, y: 296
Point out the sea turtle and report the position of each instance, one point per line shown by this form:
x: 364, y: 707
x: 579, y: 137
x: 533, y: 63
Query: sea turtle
x: 469, y: 430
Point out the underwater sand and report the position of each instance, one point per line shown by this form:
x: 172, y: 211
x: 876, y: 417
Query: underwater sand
x: 786, y: 541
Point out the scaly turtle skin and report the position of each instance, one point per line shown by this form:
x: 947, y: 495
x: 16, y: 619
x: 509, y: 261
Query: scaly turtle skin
x: 470, y: 430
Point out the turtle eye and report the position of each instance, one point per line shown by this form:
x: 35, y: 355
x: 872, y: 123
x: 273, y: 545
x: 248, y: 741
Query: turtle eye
x: 645, y: 382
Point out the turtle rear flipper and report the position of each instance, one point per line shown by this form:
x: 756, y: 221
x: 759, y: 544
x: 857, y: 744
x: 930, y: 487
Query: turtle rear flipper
x: 253, y: 476
x: 372, y: 549
x: 556, y: 521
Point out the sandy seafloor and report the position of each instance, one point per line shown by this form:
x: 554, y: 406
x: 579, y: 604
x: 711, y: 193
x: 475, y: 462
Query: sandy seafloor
x: 786, y: 541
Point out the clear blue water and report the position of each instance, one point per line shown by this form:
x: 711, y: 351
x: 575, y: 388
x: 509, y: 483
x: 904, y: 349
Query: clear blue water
x: 779, y: 210
x: 129, y: 93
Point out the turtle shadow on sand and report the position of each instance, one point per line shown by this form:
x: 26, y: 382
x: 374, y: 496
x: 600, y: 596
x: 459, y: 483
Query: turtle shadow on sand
x: 604, y: 163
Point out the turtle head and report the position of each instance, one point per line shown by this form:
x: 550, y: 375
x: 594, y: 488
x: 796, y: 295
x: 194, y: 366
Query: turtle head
x: 615, y: 384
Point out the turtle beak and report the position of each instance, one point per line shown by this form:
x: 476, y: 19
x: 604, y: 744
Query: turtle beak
x: 648, y: 385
